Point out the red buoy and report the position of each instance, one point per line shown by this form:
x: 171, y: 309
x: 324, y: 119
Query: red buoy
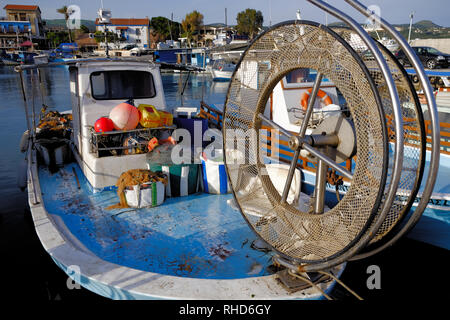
x: 103, y: 124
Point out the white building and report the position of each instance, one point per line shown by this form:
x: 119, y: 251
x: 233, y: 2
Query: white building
x: 134, y: 31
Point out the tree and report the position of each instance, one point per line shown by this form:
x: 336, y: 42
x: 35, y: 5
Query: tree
x: 191, y: 25
x: 84, y: 29
x: 249, y: 22
x: 112, y: 37
x: 63, y: 11
x: 57, y: 37
x: 163, y: 28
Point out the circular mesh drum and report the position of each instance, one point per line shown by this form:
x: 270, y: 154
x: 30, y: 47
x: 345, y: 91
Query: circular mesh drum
x: 290, y: 230
x: 413, y: 128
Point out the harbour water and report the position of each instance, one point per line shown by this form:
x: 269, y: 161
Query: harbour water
x: 29, y: 273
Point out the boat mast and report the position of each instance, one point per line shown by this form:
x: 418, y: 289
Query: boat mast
x: 104, y: 18
x: 410, y: 26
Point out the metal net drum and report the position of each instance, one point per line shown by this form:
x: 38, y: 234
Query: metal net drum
x: 291, y: 231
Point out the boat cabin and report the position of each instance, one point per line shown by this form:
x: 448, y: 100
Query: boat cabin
x: 292, y: 90
x: 96, y: 88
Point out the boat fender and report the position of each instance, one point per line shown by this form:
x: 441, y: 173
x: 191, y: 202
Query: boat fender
x: 22, y: 174
x: 125, y: 116
x: 24, y: 141
x: 326, y: 100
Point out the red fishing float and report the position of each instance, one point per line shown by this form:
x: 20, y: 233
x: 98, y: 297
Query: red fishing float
x: 103, y: 124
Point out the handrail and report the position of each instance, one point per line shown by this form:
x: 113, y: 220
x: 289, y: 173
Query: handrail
x: 207, y: 112
x: 435, y: 138
x: 398, y: 162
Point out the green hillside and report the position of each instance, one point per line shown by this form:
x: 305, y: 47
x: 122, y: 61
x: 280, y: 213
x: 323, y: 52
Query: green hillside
x: 61, y: 22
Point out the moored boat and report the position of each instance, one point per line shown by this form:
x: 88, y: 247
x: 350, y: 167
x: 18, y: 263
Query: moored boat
x: 275, y: 237
x: 221, y: 70
x: 195, y: 246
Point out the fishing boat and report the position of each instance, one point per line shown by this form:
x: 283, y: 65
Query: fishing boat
x: 176, y: 209
x: 10, y: 59
x: 194, y: 246
x: 221, y: 70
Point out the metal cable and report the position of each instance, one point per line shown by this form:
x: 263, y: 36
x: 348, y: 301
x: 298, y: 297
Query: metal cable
x: 310, y: 282
x: 341, y: 283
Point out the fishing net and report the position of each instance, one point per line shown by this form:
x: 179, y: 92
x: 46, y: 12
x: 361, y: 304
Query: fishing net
x: 286, y: 227
x: 134, y: 177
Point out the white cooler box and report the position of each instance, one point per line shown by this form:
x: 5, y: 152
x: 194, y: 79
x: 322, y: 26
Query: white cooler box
x: 214, y: 175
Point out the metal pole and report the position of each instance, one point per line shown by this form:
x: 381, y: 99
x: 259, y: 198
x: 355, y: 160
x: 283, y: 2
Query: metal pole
x: 275, y: 125
x: 226, y: 26
x: 309, y: 110
x: 170, y: 28
x: 33, y: 112
x: 41, y: 86
x: 328, y: 161
x: 106, y: 42
x: 311, y: 102
x: 321, y: 178
x: 31, y: 145
x: 410, y: 26
x: 290, y: 175
x: 25, y: 103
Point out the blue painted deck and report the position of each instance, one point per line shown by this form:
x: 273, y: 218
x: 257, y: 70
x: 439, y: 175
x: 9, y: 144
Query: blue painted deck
x: 198, y: 236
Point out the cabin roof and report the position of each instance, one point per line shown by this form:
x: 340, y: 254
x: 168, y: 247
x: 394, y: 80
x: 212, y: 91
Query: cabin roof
x: 110, y: 62
x: 21, y: 7
x: 127, y: 22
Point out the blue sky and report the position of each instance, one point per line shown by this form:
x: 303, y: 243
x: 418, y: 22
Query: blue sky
x: 395, y: 11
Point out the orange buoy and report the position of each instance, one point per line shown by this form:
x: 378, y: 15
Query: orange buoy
x: 124, y: 116
x: 326, y: 100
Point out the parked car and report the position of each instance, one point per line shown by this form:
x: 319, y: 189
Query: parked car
x: 133, y: 49
x: 430, y: 57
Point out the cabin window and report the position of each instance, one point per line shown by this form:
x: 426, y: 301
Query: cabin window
x: 302, y: 78
x: 299, y: 76
x: 115, y: 85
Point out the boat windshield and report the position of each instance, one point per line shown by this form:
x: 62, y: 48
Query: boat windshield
x: 122, y: 84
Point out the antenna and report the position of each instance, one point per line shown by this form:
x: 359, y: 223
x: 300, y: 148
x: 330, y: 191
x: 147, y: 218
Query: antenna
x: 410, y: 25
x: 270, y: 13
x: 104, y: 18
x: 170, y: 29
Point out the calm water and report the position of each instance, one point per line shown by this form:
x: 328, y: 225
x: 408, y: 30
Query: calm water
x: 29, y: 273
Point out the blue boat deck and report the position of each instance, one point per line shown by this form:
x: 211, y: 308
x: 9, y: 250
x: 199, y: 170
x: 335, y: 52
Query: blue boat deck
x: 197, y: 236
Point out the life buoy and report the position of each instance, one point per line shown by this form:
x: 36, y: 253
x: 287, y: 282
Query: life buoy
x: 326, y: 100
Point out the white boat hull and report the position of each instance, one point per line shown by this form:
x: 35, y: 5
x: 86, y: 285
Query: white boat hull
x: 219, y: 75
